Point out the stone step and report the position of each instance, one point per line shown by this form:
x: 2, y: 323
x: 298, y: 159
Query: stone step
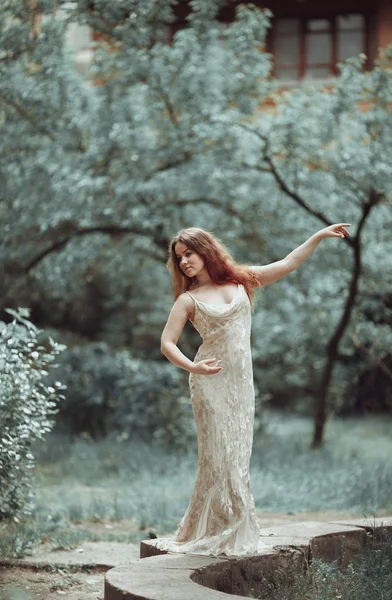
x: 159, y: 575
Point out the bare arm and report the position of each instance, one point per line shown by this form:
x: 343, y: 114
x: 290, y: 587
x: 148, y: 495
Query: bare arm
x: 274, y: 271
x: 182, y: 309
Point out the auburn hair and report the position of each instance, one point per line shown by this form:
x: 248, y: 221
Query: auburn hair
x: 219, y: 263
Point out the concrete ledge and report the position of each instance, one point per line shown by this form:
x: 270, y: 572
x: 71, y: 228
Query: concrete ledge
x: 160, y: 575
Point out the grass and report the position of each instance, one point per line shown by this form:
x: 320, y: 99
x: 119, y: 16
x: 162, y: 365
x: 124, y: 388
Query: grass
x: 79, y: 480
x: 63, y: 579
x: 115, y: 480
x: 18, y: 538
x: 352, y: 472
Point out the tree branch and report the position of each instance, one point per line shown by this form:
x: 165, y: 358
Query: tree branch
x: 23, y: 113
x: 170, y: 164
x: 283, y: 185
x: 372, y: 355
x: 58, y: 244
x: 159, y: 240
x: 217, y: 204
x: 169, y: 106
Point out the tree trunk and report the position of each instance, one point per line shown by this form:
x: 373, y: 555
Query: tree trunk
x: 321, y: 405
x: 320, y: 409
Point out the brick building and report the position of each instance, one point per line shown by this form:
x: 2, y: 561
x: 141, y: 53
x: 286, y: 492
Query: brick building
x: 307, y: 38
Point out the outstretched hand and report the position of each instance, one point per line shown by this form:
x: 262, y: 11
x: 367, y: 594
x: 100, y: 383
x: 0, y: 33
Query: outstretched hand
x: 337, y: 230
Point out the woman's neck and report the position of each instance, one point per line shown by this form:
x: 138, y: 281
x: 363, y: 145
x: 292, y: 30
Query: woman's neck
x: 202, y: 279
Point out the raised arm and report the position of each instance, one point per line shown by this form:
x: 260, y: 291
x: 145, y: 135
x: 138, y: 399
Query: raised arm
x: 276, y: 270
x: 182, y: 309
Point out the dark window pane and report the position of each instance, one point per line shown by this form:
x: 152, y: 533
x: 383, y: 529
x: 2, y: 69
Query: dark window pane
x: 286, y: 74
x: 318, y: 48
x: 347, y: 22
x: 287, y: 50
x: 318, y: 25
x: 317, y: 72
x: 350, y: 43
x: 317, y: 37
x: 286, y: 26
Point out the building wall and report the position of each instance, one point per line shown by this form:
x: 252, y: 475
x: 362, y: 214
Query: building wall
x: 378, y: 15
x: 384, y: 19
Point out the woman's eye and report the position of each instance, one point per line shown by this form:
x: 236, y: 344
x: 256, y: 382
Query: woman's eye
x: 186, y: 254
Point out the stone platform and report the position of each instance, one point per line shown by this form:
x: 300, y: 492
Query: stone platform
x: 159, y: 575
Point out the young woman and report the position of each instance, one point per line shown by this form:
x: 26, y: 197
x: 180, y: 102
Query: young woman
x: 215, y: 293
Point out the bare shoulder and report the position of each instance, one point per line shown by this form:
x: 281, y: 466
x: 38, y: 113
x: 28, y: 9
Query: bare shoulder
x: 185, y: 303
x: 184, y: 300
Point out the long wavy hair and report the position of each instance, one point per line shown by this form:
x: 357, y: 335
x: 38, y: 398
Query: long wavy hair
x: 218, y: 261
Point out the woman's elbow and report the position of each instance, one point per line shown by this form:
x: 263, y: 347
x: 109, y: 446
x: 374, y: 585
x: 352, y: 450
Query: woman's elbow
x: 164, y: 344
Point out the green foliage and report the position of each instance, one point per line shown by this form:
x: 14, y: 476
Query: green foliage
x: 110, y: 391
x: 135, y: 154
x: 330, y: 150
x: 26, y: 407
x: 96, y: 178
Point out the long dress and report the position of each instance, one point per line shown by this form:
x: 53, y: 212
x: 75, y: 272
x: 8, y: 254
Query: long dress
x: 221, y: 518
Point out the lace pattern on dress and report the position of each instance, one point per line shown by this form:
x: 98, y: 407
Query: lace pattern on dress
x: 221, y: 517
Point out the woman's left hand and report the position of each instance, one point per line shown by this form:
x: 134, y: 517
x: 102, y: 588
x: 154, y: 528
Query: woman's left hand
x: 337, y: 230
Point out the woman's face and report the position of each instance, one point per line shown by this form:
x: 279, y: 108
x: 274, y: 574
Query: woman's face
x: 190, y: 263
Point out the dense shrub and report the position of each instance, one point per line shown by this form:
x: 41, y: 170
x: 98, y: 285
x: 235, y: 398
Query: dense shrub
x: 26, y: 405
x: 110, y: 391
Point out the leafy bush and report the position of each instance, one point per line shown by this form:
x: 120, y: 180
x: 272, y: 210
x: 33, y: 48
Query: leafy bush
x: 110, y: 391
x: 26, y: 405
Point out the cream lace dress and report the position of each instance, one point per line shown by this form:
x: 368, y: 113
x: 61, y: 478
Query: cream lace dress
x: 221, y: 518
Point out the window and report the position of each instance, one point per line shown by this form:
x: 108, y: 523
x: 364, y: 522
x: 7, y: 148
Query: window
x: 310, y: 48
x: 350, y: 36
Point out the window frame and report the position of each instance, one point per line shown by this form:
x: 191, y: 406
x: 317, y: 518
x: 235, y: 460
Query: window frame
x: 302, y: 65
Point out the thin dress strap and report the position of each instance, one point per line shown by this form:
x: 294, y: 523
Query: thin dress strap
x: 189, y: 294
